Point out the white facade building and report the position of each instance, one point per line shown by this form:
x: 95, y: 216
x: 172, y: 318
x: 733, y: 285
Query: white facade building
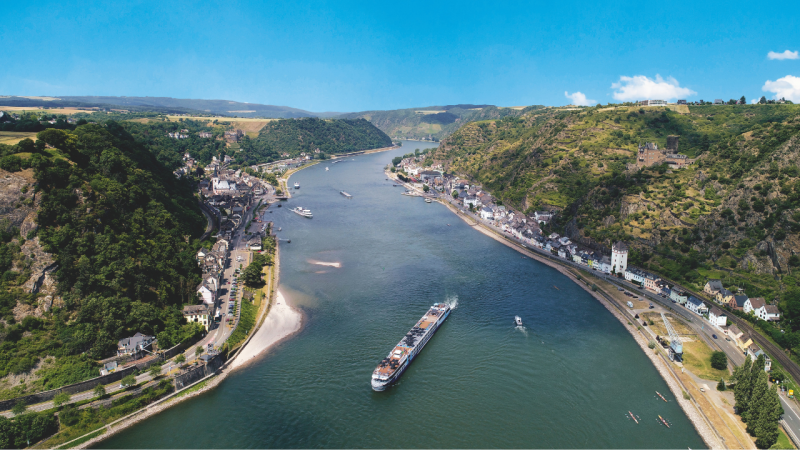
x: 619, y: 257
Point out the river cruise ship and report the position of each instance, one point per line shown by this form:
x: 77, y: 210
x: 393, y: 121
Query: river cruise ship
x: 302, y: 212
x: 391, y: 367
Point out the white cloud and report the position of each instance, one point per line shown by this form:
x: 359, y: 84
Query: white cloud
x: 640, y: 87
x: 579, y: 98
x: 754, y: 101
x: 787, y: 87
x: 785, y: 55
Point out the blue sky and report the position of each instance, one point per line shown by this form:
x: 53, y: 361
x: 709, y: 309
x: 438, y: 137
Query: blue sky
x: 353, y: 56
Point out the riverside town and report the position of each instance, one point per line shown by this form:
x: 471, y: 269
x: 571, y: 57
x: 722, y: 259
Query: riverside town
x: 352, y: 235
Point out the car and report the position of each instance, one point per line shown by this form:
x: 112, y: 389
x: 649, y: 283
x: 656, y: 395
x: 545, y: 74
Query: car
x: 728, y: 339
x: 714, y: 336
x: 620, y: 289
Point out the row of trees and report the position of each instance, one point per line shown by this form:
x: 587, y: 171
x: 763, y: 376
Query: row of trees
x: 756, y: 402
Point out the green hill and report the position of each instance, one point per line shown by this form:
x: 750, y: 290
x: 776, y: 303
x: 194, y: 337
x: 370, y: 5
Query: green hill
x: 118, y: 226
x: 733, y: 214
x: 432, y: 122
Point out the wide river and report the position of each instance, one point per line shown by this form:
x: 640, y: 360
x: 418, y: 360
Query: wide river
x: 567, y: 380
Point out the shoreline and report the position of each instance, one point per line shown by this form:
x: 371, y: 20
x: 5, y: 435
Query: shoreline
x: 692, y: 412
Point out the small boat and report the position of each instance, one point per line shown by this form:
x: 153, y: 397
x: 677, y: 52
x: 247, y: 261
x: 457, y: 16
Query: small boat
x: 663, y: 421
x: 345, y: 194
x: 633, y: 417
x: 303, y: 212
x: 662, y: 397
x: 327, y: 169
x: 518, y: 321
x: 297, y: 185
x: 427, y: 200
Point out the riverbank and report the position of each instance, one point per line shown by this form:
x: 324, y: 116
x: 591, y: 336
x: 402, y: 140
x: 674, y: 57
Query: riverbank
x: 281, y: 323
x: 695, y: 416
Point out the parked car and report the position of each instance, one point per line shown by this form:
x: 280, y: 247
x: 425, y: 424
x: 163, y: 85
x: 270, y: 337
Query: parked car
x: 714, y: 336
x: 651, y: 306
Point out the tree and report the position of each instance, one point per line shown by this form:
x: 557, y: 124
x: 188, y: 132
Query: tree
x: 180, y: 359
x: 741, y: 392
x: 198, y: 351
x: 425, y: 188
x: 99, y: 391
x: 61, y: 399
x: 721, y: 385
x: 743, y: 100
x: 762, y: 100
x: 129, y: 380
x: 719, y: 361
x: 455, y: 193
x: 19, y: 408
x: 758, y: 403
x: 767, y: 428
x: 154, y: 371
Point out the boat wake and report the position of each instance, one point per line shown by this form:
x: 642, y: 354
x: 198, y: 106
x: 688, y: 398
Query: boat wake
x: 522, y: 329
x: 452, y: 301
x: 324, y: 263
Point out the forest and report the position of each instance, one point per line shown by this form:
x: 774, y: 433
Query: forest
x: 120, y: 227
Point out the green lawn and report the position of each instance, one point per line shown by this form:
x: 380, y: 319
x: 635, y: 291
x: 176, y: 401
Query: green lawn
x: 783, y: 441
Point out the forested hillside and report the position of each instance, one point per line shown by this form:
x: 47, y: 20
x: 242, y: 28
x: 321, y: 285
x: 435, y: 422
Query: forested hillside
x: 115, y: 227
x: 733, y: 214
x: 295, y: 136
x: 435, y: 122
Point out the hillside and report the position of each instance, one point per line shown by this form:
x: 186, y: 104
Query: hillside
x: 95, y: 246
x: 434, y: 122
x: 733, y: 214
x: 330, y: 136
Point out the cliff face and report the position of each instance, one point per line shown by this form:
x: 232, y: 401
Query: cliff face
x: 18, y: 206
x: 733, y: 212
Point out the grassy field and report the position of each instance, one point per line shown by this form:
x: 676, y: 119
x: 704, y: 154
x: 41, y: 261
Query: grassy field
x: 783, y: 441
x: 249, y: 126
x: 65, y: 111
x: 12, y: 137
x: 697, y: 358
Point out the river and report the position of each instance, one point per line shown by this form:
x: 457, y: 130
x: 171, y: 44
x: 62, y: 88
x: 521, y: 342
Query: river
x: 567, y: 380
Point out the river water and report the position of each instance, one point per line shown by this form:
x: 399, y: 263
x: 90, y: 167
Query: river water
x: 567, y: 380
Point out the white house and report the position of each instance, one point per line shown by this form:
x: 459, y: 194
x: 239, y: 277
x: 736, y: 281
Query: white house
x: 769, y: 313
x: 753, y: 304
x: 471, y: 200
x: 487, y: 213
x: 634, y: 275
x: 206, y: 295
x: 717, y: 317
x: 678, y: 296
x: 605, y: 265
x: 543, y: 216
x: 619, y: 257
x: 694, y: 305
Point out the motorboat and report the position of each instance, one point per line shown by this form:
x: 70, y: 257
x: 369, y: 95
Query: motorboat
x: 327, y: 169
x: 518, y: 321
x: 297, y: 185
x: 303, y: 212
x: 428, y: 200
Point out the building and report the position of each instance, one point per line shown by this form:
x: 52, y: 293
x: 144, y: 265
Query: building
x: 471, y: 200
x: 754, y: 351
x: 133, y: 346
x: 679, y: 297
x: 543, y: 216
x: 197, y: 313
x: 619, y: 257
x: 653, y: 103
x: 635, y: 275
x: 717, y: 317
x: 676, y: 161
x: 487, y: 213
x: 696, y: 306
x: 723, y: 296
x: 649, y: 155
x: 712, y: 287
x: 234, y: 136
x: 681, y: 102
x: 769, y: 313
x: 753, y: 304
x: 719, y: 101
x: 206, y: 134
x: 206, y: 293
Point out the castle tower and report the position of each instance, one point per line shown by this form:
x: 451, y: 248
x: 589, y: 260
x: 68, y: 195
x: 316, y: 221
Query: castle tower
x: 619, y: 257
x: 672, y: 144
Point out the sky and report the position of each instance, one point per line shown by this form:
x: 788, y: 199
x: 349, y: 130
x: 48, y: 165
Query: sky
x: 364, y: 55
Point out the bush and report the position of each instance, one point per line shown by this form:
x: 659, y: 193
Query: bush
x: 27, y: 429
x: 721, y: 385
x: 719, y: 361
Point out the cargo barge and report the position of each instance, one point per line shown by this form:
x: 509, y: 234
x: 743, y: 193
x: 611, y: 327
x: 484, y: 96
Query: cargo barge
x: 398, y: 360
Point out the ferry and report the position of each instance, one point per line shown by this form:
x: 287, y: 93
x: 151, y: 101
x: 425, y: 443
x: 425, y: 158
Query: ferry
x: 391, y: 367
x: 302, y: 212
x: 297, y: 185
x: 518, y: 321
x: 345, y: 194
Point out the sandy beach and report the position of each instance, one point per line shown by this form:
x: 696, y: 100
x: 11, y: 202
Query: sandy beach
x: 281, y: 322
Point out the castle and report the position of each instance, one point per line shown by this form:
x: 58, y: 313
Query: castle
x: 649, y: 155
